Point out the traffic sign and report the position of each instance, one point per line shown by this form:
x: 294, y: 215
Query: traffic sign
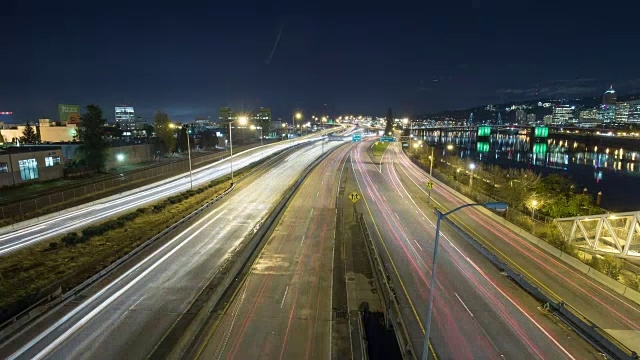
x: 430, y: 185
x: 387, y: 139
x: 354, y: 196
x: 357, y: 137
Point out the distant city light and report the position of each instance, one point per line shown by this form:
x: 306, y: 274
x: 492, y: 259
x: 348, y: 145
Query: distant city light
x: 120, y: 157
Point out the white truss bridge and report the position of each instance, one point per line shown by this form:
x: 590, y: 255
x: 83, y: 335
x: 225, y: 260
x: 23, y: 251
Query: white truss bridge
x: 614, y: 234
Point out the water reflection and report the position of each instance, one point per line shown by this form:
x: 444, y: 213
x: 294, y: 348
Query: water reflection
x: 587, y: 160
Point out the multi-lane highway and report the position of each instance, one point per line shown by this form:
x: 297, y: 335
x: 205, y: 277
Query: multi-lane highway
x: 23, y: 234
x: 283, y: 309
x: 616, y: 314
x: 128, y: 317
x: 478, y: 313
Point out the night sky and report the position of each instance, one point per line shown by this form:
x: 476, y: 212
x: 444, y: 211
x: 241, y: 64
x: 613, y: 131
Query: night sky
x: 191, y: 58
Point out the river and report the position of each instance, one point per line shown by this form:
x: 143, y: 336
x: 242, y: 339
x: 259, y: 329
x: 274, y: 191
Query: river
x: 598, y: 163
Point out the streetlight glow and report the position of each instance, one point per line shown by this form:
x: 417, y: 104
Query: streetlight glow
x: 120, y: 157
x: 449, y: 147
x: 242, y: 120
x: 298, y: 116
x: 472, y: 166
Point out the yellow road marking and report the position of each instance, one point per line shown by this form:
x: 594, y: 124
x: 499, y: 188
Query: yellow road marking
x: 375, y: 225
x: 461, y: 223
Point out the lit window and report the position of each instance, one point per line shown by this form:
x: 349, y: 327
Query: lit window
x: 51, y: 160
x: 28, y: 169
x: 4, y: 167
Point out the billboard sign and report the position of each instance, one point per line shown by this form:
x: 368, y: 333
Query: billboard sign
x: 69, y: 114
x: 541, y: 131
x: 484, y: 130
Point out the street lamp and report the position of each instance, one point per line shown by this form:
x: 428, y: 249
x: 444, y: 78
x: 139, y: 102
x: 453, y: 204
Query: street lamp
x: 284, y: 126
x: 449, y: 147
x: 472, y: 166
x: 297, y: 116
x: 242, y: 121
x: 441, y: 216
x: 189, y: 152
x: 534, y: 206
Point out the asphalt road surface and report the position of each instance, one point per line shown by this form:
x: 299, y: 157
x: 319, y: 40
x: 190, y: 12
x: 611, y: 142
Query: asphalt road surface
x: 283, y: 309
x: 129, y: 317
x: 610, y: 311
x: 477, y: 312
x: 32, y: 231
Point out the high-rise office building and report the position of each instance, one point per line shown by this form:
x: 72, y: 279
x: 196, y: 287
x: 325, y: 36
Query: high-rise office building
x: 634, y: 112
x: 622, y: 112
x: 606, y: 114
x: 588, y: 116
x: 548, y: 119
x: 226, y: 116
x: 521, y: 117
x: 125, y: 117
x: 563, y: 114
x: 531, y: 118
x: 609, y: 97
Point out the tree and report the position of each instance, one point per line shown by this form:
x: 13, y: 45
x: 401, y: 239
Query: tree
x: 148, y: 130
x: 208, y: 139
x: 94, y: 147
x: 165, y: 140
x: 388, y: 128
x: 181, y: 141
x: 29, y: 135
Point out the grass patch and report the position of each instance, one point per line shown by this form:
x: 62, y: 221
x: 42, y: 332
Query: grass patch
x: 379, y: 148
x: 66, y: 261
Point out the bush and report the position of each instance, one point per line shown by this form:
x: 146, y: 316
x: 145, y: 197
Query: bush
x: 71, y: 238
x: 53, y: 245
x: 634, y: 283
x: 613, y: 267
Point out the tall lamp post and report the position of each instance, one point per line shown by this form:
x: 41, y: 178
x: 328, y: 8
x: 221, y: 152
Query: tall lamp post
x: 253, y: 127
x: 431, y: 158
x: 242, y: 121
x: 472, y: 166
x: 534, y: 206
x: 490, y: 205
x: 189, y: 151
x: 297, y: 116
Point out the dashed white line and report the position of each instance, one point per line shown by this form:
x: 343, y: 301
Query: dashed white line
x: 284, y: 297
x: 463, y: 304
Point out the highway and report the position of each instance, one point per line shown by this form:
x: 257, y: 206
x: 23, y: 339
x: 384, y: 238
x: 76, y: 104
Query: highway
x: 612, y: 312
x: 29, y: 232
x: 477, y: 313
x: 283, y: 309
x: 129, y: 316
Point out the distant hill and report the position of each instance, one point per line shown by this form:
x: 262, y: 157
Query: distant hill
x: 480, y: 113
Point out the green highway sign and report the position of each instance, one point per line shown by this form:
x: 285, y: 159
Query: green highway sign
x: 387, y: 139
x: 357, y: 137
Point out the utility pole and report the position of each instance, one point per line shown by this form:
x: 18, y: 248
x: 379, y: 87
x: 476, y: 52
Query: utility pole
x: 189, y: 151
x: 430, y: 174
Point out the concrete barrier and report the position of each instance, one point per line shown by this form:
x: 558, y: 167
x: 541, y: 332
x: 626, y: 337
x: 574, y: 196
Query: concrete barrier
x: 246, y: 258
x: 566, y: 258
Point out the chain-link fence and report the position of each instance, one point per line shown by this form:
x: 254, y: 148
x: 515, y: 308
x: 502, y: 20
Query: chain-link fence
x: 56, y: 201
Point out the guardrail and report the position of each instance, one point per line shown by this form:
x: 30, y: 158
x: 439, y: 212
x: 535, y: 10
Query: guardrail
x: 580, y: 323
x: 51, y: 301
x: 392, y: 313
x: 188, y: 340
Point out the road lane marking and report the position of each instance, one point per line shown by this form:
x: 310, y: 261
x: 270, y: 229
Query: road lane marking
x: 301, y: 241
x: 463, y: 304
x: 285, y: 296
x: 113, y: 297
x: 397, y: 217
x: 137, y: 302
x: 500, y: 290
x: 318, y: 194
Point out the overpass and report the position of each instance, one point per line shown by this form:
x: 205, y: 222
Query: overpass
x: 611, y: 234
